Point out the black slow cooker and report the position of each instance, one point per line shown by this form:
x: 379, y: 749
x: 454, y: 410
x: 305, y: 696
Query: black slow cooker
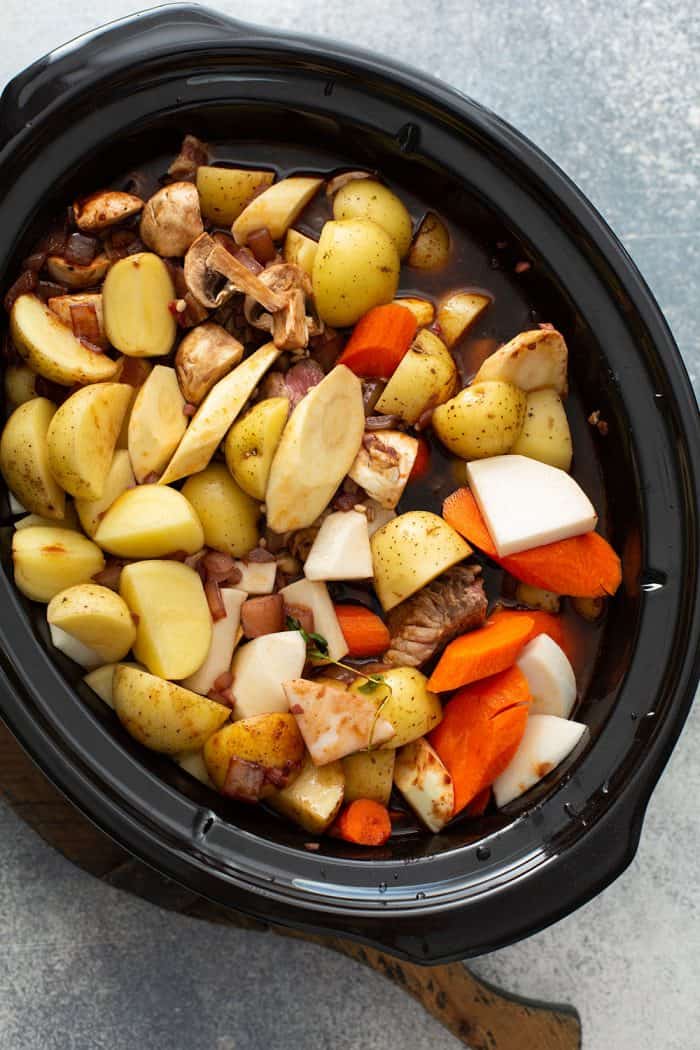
x: 113, y: 97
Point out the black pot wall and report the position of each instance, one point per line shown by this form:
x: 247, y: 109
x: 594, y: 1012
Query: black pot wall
x: 124, y: 93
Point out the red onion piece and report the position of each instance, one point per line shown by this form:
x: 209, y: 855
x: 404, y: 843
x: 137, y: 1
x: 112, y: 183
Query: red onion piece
x: 26, y: 282
x: 244, y: 780
x: 83, y: 318
x: 214, y: 600
x: 303, y: 615
x: 263, y: 615
x: 259, y: 555
x: 261, y: 245
x: 80, y: 250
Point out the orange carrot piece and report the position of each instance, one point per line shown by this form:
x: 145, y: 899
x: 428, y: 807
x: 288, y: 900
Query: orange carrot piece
x: 547, y: 623
x: 364, y: 822
x: 379, y: 341
x: 421, y: 464
x: 481, y: 728
x: 477, y: 806
x: 582, y: 567
x: 364, y: 631
x: 483, y: 652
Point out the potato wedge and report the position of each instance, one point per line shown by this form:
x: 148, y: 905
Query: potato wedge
x: 101, y: 681
x: 134, y: 371
x: 173, y: 629
x: 67, y: 306
x: 97, y: 617
x: 431, y: 246
x: 20, y: 385
x: 531, y: 361
x: 356, y: 267
x: 120, y: 477
x: 73, y: 275
x: 135, y: 300
x: 313, y: 800
x: 228, y: 515
x: 164, y: 716
x: 425, y: 783
x: 306, y: 470
x: 68, y: 521
x: 148, y: 522
x: 410, y: 551
x: 426, y: 377
x: 301, y: 250
x: 51, y: 348
x: 82, y: 437
x: 369, y: 199
x: 411, y: 708
x: 422, y: 309
x: 216, y: 414
x: 369, y: 774
x: 545, y: 433
x: 276, y: 208
x: 24, y: 459
x: 458, y: 312
x: 272, y: 741
x: 259, y: 669
x: 225, y: 192
x: 47, y: 560
x: 156, y: 423
x: 252, y: 442
x: 482, y: 420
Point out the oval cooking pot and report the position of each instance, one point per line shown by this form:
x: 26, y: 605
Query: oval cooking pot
x: 117, y: 96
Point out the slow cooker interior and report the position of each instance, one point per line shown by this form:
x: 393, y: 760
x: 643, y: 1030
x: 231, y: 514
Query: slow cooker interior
x: 301, y: 140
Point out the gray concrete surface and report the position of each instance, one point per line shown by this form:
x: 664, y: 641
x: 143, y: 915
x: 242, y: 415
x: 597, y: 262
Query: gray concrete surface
x: 610, y: 91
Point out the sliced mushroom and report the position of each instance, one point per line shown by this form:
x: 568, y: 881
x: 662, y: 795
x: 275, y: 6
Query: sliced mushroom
x: 338, y: 181
x: 290, y: 327
x: 193, y: 153
x: 213, y: 275
x: 105, y: 208
x: 172, y: 220
x: 83, y: 313
x: 74, y: 276
x: 206, y: 354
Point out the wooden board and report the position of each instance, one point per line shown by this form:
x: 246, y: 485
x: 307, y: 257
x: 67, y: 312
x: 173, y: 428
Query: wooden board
x: 482, y: 1017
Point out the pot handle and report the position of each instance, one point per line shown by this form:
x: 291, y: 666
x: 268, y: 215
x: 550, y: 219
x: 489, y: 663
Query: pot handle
x: 30, y: 95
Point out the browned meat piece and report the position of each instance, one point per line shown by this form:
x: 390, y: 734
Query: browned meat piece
x: 423, y: 625
x: 293, y: 384
x: 192, y: 153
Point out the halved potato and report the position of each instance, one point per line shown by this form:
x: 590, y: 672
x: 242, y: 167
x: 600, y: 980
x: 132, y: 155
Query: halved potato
x: 426, y: 376
x: 252, y: 442
x: 431, y: 247
x: 458, y: 312
x: 301, y: 250
x: 101, y: 681
x: 317, y: 448
x: 82, y: 436
x: 216, y: 414
x: 120, y: 477
x: 422, y: 309
x: 20, y: 384
x: 369, y: 199
x: 410, y: 551
x: 51, y: 348
x: 47, y: 560
x: 157, y: 422
x: 313, y: 800
x: 482, y: 420
x: 24, y: 459
x: 97, y: 617
x: 173, y: 629
x: 272, y: 741
x: 136, y: 299
x: 228, y: 515
x: 545, y: 433
x: 75, y: 275
x: 150, y: 521
x: 276, y: 208
x: 162, y: 715
x: 531, y: 361
x: 425, y: 783
x: 356, y: 267
x: 411, y: 708
x: 369, y: 774
x: 225, y: 192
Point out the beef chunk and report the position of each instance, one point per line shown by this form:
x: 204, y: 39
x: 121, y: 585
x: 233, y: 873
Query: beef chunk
x: 423, y: 625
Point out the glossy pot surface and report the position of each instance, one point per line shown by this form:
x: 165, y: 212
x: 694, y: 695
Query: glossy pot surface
x: 131, y: 89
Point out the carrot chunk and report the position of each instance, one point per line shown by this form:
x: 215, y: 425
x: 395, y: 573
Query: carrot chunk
x: 379, y: 341
x: 582, y: 567
x: 363, y: 822
x: 483, y: 652
x: 364, y: 631
x: 481, y: 728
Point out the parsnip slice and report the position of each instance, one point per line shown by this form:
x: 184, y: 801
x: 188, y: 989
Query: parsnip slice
x: 157, y: 422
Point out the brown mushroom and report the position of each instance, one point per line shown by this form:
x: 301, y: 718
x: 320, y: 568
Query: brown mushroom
x: 75, y: 276
x: 171, y: 219
x: 213, y: 275
x: 206, y: 354
x: 105, y: 208
x: 290, y: 326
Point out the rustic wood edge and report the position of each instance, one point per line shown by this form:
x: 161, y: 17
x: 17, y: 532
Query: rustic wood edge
x: 481, y: 1016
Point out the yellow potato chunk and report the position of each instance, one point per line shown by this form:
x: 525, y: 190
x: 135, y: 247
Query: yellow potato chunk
x: 426, y: 376
x: 271, y: 740
x: 369, y: 199
x: 135, y: 300
x: 458, y: 312
x: 422, y: 309
x: 301, y: 250
x: 277, y: 208
x: 484, y: 419
x: 24, y: 459
x: 313, y: 800
x: 82, y: 437
x: 356, y: 267
x: 164, y: 716
x: 148, y: 522
x: 431, y: 248
x: 173, y: 628
x: 47, y: 560
x: 97, y: 617
x: 120, y: 477
x: 411, y: 707
x: 369, y: 774
x: 410, y: 551
x: 545, y: 434
x: 228, y: 515
x: 157, y: 422
x: 252, y: 442
x: 225, y: 192
x: 51, y: 349
x: 20, y: 384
